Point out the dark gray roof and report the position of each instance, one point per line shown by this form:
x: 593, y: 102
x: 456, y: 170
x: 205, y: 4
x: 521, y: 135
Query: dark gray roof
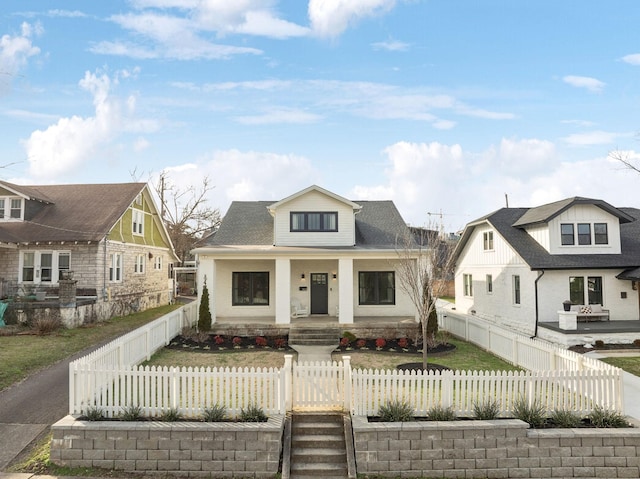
x: 378, y: 225
x: 69, y: 212
x: 508, y: 223
x: 545, y: 213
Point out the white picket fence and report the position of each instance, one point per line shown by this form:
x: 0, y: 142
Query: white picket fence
x: 111, y: 380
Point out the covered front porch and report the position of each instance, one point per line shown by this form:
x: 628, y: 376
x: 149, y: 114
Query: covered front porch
x: 610, y: 332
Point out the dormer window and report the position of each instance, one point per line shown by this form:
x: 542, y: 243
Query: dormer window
x: 10, y: 208
x: 138, y: 222
x: 588, y: 234
x: 488, y: 240
x: 316, y: 221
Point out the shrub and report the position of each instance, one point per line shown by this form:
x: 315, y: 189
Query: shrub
x: 252, y: 413
x: 599, y: 343
x: 171, y: 415
x: 636, y: 342
x: 381, y: 343
x: 396, y: 411
x: 261, y: 341
x: 131, y: 413
x: 403, y: 342
x: 565, y: 418
x: 486, y: 410
x: 236, y: 341
x: 533, y: 413
x: 601, y: 417
x: 344, y: 342
x: 215, y: 413
x: 218, y: 339
x: 349, y: 336
x: 280, y: 343
x: 361, y: 343
x: 204, y: 313
x: 439, y: 413
x: 44, y: 326
x: 94, y: 413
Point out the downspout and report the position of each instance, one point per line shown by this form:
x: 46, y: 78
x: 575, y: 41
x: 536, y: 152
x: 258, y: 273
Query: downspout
x: 104, y: 270
x: 540, y: 275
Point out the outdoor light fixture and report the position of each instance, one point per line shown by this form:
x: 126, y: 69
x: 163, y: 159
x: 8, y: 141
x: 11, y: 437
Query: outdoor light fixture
x: 335, y: 276
x: 302, y: 276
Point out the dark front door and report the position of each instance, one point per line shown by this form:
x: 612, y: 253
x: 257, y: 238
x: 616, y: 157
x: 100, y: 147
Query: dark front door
x: 319, y: 293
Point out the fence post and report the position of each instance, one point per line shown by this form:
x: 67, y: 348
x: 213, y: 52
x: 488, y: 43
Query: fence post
x: 346, y: 360
x: 72, y: 386
x: 287, y: 380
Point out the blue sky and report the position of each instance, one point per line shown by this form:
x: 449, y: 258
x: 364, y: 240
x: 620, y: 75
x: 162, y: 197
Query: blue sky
x: 445, y: 107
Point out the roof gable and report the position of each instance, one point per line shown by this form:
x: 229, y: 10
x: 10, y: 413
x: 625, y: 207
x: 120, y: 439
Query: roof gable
x: 545, y: 213
x: 318, y: 189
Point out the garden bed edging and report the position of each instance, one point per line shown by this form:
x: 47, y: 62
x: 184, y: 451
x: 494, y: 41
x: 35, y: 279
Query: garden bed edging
x: 501, y: 448
x: 185, y: 449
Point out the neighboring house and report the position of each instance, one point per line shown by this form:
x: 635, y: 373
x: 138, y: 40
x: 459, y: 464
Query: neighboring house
x: 109, y: 235
x: 312, y: 254
x: 517, y: 266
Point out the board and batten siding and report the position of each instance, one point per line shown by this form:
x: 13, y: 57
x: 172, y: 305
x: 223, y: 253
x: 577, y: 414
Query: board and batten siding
x: 585, y: 214
x: 310, y: 202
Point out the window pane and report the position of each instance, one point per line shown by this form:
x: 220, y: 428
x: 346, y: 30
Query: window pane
x: 260, y: 293
x: 241, y: 288
x: 595, y: 289
x: 46, y: 261
x: 576, y: 289
x: 386, y: 286
x: 1, y: 208
x: 313, y: 221
x: 16, y: 208
x: 64, y: 262
x: 28, y: 261
x: 566, y: 231
x: 367, y: 287
x: 601, y: 236
x: 584, y: 233
x: 329, y: 222
x: 489, y: 283
x: 516, y: 289
x: 250, y: 288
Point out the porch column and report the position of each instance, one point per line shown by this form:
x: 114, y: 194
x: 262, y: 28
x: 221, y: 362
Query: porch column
x: 345, y: 291
x: 283, y: 291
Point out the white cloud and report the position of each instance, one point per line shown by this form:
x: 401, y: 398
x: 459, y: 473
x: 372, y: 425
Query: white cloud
x: 283, y: 115
x: 74, y: 141
x: 391, y: 46
x: 330, y: 18
x: 633, y: 59
x: 141, y: 144
x: 591, y: 84
x: 66, y: 13
x: 596, y: 137
x: 17, y: 49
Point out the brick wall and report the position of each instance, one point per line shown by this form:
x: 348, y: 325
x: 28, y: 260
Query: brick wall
x: 504, y: 448
x: 185, y: 449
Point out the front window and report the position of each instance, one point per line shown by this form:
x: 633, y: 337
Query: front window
x: 11, y: 208
x: 592, y: 294
x: 488, y: 240
x: 28, y: 266
x: 377, y: 287
x: 64, y: 263
x: 516, y: 289
x: 250, y: 288
x: 158, y: 262
x: 600, y: 233
x: 566, y: 231
x: 115, y: 268
x: 46, y: 267
x: 584, y: 233
x: 314, y: 221
x: 468, y: 284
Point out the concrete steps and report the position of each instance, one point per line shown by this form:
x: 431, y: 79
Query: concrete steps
x: 314, y: 336
x: 318, y: 447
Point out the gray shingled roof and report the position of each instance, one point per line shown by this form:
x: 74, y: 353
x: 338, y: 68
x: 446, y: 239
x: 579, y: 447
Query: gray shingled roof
x: 508, y: 221
x: 70, y: 213
x: 378, y: 225
x: 545, y: 213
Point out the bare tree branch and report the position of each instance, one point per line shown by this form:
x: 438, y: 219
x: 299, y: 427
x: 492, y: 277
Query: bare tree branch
x: 625, y: 158
x: 425, y: 264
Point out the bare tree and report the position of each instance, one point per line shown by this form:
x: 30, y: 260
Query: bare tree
x: 425, y: 266
x: 624, y: 157
x: 186, y: 214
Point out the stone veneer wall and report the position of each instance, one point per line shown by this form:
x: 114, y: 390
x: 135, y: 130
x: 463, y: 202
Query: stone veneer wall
x: 504, y: 448
x: 185, y: 449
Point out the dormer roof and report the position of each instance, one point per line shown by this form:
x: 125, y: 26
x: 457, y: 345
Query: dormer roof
x: 272, y: 207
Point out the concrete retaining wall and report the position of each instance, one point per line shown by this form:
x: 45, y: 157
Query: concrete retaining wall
x: 185, y: 449
x: 504, y: 448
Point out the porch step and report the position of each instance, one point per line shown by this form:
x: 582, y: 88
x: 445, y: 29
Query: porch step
x: 318, y: 447
x: 314, y: 336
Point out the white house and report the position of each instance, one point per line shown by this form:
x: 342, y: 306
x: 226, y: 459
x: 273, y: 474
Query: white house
x: 516, y: 266
x: 313, y: 254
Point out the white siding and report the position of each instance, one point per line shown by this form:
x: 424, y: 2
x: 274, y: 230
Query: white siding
x: 540, y: 233
x: 314, y: 201
x: 585, y: 214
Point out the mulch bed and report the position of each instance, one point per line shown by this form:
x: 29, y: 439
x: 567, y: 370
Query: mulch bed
x: 603, y: 347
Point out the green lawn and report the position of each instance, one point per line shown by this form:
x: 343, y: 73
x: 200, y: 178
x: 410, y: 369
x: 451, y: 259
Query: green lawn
x: 25, y: 354
x: 629, y: 364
